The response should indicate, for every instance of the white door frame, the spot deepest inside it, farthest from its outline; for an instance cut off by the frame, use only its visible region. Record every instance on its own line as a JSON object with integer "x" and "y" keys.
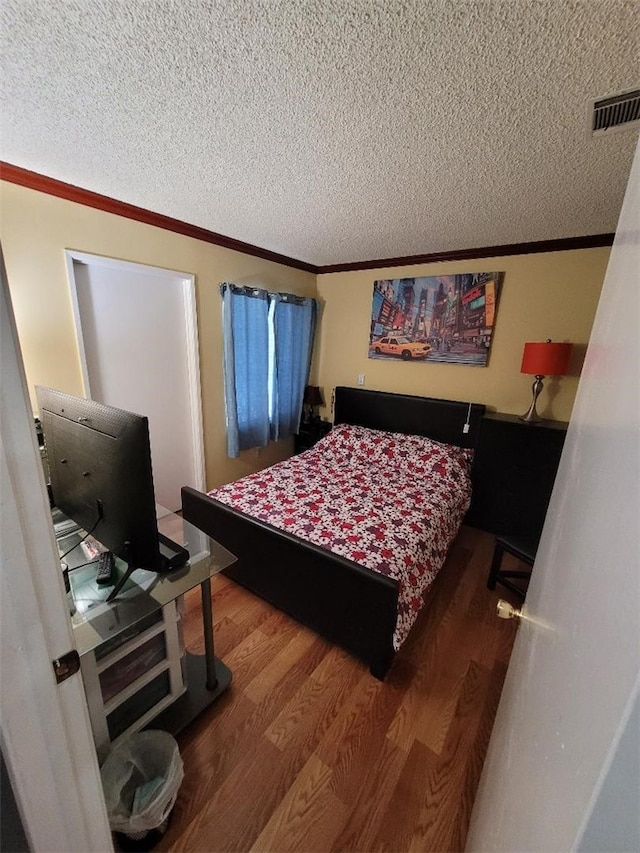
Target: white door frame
{"x": 190, "y": 319}
{"x": 45, "y": 731}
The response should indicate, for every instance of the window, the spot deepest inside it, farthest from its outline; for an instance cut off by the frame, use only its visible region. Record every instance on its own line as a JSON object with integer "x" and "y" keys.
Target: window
{"x": 268, "y": 340}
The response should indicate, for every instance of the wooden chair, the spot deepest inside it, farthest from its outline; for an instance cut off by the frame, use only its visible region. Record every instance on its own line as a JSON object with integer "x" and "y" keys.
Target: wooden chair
{"x": 523, "y": 550}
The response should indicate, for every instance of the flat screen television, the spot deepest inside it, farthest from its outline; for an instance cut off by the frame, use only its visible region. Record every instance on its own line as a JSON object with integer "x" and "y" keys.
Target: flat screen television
{"x": 101, "y": 477}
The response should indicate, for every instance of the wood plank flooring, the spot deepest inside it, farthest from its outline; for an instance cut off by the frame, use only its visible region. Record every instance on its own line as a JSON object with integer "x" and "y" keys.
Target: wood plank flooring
{"x": 307, "y": 752}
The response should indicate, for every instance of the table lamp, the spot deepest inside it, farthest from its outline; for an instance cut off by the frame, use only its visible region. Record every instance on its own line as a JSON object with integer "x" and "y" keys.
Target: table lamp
{"x": 542, "y": 360}
{"x": 312, "y": 398}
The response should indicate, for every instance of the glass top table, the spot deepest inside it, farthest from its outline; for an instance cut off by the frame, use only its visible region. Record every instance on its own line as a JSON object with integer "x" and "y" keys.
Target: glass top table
{"x": 95, "y": 620}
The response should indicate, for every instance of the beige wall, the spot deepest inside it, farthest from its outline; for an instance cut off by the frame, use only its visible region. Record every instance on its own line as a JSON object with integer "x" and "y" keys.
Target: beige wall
{"x": 543, "y": 296}
{"x": 551, "y": 295}
{"x": 36, "y": 228}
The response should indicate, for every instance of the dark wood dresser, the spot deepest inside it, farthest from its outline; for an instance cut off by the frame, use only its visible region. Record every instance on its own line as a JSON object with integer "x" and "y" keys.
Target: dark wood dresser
{"x": 514, "y": 469}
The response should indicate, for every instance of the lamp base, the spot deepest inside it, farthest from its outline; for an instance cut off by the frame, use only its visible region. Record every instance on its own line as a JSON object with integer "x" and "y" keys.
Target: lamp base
{"x": 531, "y": 416}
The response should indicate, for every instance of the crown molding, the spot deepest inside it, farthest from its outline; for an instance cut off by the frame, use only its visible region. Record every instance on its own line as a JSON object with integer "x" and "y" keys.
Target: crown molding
{"x": 564, "y": 244}
{"x": 51, "y": 186}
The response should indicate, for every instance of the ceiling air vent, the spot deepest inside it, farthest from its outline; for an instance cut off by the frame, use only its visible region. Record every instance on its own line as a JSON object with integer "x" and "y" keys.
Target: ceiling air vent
{"x": 619, "y": 112}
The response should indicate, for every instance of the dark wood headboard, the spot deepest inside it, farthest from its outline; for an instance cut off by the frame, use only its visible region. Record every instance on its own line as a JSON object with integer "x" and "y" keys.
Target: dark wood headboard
{"x": 441, "y": 420}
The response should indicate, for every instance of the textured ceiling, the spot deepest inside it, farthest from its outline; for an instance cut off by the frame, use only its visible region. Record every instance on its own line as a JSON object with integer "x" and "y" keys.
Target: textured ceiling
{"x": 330, "y": 131}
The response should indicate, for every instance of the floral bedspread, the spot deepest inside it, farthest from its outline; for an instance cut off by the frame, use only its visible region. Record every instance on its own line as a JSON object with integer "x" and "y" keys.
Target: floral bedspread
{"x": 387, "y": 501}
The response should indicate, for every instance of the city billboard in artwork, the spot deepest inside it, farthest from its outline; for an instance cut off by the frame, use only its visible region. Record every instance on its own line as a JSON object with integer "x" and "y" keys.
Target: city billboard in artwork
{"x": 444, "y": 318}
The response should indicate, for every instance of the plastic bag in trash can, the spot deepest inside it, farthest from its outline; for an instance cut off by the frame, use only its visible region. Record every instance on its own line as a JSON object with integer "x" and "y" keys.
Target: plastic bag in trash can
{"x": 141, "y": 779}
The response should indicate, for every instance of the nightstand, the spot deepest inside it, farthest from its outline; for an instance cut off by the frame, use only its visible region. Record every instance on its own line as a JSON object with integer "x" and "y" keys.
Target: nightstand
{"x": 310, "y": 433}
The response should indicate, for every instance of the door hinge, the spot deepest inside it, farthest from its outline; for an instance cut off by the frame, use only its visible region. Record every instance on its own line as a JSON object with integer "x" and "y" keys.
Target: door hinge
{"x": 66, "y": 666}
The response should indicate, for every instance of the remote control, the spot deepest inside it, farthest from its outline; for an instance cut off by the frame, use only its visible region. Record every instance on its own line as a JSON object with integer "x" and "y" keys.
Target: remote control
{"x": 106, "y": 568}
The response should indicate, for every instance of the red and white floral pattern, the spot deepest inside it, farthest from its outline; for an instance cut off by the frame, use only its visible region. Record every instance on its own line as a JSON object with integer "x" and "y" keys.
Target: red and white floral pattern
{"x": 387, "y": 501}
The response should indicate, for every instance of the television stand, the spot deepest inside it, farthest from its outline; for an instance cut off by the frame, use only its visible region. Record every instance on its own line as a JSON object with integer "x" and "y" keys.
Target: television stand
{"x": 135, "y": 669}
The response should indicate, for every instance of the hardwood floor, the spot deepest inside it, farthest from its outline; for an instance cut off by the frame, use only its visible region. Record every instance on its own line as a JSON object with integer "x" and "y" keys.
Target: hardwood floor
{"x": 306, "y": 751}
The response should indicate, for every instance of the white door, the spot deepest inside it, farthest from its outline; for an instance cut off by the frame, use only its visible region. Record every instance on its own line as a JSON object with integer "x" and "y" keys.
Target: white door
{"x": 557, "y": 755}
{"x": 138, "y": 342}
{"x": 45, "y": 733}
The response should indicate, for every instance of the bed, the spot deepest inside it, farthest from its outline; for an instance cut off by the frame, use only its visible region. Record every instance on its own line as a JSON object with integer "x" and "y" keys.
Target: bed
{"x": 303, "y": 556}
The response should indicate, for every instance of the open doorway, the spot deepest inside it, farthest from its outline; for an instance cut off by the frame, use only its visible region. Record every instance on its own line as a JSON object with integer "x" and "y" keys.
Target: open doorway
{"x": 138, "y": 342}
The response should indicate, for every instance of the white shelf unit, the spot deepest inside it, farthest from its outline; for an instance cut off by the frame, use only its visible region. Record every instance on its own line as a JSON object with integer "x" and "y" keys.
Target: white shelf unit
{"x": 130, "y": 679}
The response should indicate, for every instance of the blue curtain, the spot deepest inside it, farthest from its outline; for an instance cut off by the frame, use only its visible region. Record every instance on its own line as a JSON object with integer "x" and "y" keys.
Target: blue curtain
{"x": 268, "y": 342}
{"x": 294, "y": 320}
{"x": 246, "y": 367}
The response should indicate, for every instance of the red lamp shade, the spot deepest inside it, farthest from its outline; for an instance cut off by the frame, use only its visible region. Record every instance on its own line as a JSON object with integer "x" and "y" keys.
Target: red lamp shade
{"x": 546, "y": 359}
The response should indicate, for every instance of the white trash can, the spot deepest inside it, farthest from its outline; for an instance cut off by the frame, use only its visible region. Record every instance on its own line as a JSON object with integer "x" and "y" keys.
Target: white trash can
{"x": 141, "y": 778}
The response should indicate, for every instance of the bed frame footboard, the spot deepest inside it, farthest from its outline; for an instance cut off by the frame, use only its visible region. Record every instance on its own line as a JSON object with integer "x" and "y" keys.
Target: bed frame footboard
{"x": 345, "y": 603}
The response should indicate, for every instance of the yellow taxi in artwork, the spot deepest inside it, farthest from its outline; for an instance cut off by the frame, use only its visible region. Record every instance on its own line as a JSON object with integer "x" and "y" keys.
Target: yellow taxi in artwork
{"x": 399, "y": 345}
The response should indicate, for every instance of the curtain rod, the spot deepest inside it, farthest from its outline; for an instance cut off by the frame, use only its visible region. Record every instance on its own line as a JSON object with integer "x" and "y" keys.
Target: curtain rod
{"x": 262, "y": 293}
